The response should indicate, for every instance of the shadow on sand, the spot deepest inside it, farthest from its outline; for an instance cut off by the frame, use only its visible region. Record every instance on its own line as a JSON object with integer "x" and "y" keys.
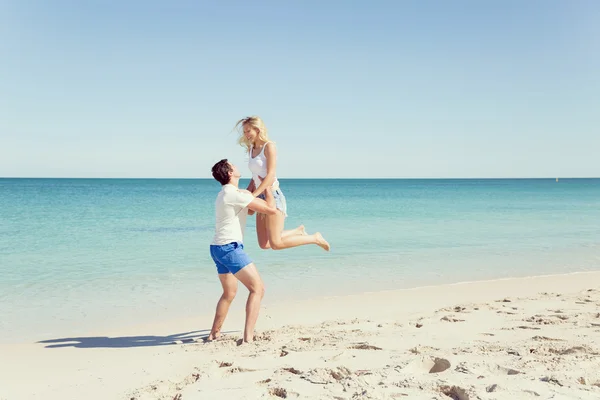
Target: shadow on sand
{"x": 126, "y": 341}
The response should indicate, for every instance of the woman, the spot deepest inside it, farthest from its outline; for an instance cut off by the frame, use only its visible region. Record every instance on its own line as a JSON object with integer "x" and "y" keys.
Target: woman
{"x": 263, "y": 163}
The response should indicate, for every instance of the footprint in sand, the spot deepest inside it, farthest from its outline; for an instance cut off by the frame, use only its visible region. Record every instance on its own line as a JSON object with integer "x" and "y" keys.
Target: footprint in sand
{"x": 492, "y": 388}
{"x": 450, "y": 318}
{"x": 552, "y": 380}
{"x": 323, "y": 376}
{"x": 292, "y": 370}
{"x": 364, "y": 346}
{"x": 428, "y": 365}
{"x": 340, "y": 322}
{"x": 545, "y": 338}
{"x": 454, "y": 392}
{"x": 535, "y": 328}
{"x": 263, "y": 337}
{"x": 463, "y": 368}
{"x": 506, "y": 312}
{"x": 236, "y": 370}
{"x": 191, "y": 379}
{"x": 454, "y": 309}
{"x": 574, "y": 350}
{"x": 422, "y": 349}
{"x": 281, "y": 393}
{"x": 499, "y": 370}
{"x": 548, "y": 319}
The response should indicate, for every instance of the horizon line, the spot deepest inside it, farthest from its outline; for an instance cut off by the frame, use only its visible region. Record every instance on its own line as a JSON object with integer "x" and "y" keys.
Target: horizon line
{"x": 309, "y": 178}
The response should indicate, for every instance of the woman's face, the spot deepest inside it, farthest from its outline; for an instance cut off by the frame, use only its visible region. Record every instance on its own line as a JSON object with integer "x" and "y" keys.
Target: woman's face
{"x": 250, "y": 132}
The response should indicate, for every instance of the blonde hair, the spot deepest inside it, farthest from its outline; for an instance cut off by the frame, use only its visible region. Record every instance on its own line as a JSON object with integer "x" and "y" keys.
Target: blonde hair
{"x": 255, "y": 122}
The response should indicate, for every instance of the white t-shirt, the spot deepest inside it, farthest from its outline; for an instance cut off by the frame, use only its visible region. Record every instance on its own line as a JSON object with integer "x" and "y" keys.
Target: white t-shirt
{"x": 231, "y": 215}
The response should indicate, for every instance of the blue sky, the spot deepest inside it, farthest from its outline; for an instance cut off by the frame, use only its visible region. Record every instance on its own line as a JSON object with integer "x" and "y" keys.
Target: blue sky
{"x": 407, "y": 89}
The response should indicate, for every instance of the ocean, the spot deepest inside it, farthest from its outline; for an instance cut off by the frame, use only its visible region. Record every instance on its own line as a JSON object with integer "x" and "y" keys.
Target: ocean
{"x": 77, "y": 255}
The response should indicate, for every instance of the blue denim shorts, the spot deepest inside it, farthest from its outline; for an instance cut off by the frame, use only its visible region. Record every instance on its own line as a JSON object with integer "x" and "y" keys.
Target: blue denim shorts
{"x": 230, "y": 257}
{"x": 280, "y": 202}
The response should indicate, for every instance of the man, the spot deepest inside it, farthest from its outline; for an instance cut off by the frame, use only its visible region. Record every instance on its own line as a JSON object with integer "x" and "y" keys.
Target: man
{"x": 227, "y": 248}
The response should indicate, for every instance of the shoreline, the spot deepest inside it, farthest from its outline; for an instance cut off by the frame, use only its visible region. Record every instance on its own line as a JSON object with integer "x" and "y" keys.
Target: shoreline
{"x": 207, "y": 311}
{"x": 118, "y": 362}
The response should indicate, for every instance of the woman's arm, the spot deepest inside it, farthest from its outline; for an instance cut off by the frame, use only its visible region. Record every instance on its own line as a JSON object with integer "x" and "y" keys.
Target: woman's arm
{"x": 271, "y": 156}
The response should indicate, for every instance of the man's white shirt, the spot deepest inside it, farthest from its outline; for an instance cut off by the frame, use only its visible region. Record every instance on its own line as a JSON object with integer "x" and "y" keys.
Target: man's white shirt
{"x": 231, "y": 214}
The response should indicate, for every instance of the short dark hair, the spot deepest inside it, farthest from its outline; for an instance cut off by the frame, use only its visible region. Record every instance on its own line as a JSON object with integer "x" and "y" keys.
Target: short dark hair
{"x": 221, "y": 170}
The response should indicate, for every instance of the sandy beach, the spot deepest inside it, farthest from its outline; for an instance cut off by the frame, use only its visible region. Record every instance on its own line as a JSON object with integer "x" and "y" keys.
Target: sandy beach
{"x": 520, "y": 338}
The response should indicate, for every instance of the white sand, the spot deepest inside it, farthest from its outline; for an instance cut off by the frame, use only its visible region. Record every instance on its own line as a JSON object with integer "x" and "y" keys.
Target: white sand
{"x": 507, "y": 339}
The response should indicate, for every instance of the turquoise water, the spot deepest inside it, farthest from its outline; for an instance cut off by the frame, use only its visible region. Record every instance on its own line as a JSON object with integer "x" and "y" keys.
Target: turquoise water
{"x": 78, "y": 254}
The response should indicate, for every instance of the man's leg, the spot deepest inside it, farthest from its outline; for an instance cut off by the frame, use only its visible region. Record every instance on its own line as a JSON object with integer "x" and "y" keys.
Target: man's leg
{"x": 251, "y": 279}
{"x": 229, "y": 283}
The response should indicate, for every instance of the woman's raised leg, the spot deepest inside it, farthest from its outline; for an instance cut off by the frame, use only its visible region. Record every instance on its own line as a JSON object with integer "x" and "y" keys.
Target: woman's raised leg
{"x": 277, "y": 241}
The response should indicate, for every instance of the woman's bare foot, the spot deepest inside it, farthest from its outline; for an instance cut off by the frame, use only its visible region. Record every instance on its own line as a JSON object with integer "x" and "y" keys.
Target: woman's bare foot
{"x": 322, "y": 242}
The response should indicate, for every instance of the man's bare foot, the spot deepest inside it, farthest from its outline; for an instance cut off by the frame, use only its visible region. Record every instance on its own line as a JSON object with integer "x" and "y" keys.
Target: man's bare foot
{"x": 322, "y": 242}
{"x": 241, "y": 342}
{"x": 212, "y": 337}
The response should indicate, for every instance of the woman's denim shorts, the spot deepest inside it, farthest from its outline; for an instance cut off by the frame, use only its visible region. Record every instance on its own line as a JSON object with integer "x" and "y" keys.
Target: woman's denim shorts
{"x": 280, "y": 202}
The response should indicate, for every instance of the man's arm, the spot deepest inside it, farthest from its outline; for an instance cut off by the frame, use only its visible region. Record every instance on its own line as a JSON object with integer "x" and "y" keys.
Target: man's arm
{"x": 250, "y": 212}
{"x": 250, "y": 188}
{"x": 264, "y": 207}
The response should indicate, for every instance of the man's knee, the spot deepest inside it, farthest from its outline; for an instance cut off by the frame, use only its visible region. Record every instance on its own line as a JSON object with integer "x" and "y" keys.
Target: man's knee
{"x": 258, "y": 288}
{"x": 229, "y": 295}
{"x": 251, "y": 279}
{"x": 264, "y": 245}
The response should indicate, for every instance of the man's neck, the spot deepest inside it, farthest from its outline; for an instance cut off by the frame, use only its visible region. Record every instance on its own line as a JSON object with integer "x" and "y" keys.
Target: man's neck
{"x": 235, "y": 182}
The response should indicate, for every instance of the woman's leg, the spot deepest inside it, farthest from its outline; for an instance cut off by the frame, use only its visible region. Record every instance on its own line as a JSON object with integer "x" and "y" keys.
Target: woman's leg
{"x": 262, "y": 231}
{"x": 296, "y": 231}
{"x": 277, "y": 241}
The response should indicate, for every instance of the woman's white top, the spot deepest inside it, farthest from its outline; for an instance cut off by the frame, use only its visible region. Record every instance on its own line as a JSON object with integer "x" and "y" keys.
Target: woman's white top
{"x": 258, "y": 167}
